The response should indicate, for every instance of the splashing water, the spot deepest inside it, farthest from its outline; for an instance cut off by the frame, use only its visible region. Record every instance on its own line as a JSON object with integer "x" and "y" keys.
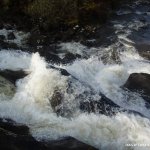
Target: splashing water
{"x": 31, "y": 103}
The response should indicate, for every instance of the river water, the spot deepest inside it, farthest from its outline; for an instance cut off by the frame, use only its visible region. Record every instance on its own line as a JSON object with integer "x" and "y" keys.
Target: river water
{"x": 98, "y": 70}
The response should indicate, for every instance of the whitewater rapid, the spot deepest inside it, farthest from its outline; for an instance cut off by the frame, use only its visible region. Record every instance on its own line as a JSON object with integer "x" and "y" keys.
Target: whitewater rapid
{"x": 31, "y": 106}
{"x": 31, "y": 103}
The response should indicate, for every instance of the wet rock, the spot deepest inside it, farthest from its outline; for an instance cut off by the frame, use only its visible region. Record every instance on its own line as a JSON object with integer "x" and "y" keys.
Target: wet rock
{"x": 103, "y": 106}
{"x": 8, "y": 124}
{"x": 6, "y": 87}
{"x": 53, "y": 58}
{"x": 56, "y": 99}
{"x": 1, "y": 25}
{"x": 11, "y": 36}
{"x": 12, "y": 76}
{"x": 106, "y": 107}
{"x": 139, "y": 82}
{"x": 8, "y": 27}
{"x": 145, "y": 54}
{"x": 69, "y": 144}
{"x": 69, "y": 57}
{"x": 12, "y": 46}
{"x": 8, "y": 45}
{"x": 36, "y": 39}
{"x": 62, "y": 71}
{"x": 2, "y": 37}
{"x": 144, "y": 50}
{"x": 15, "y": 136}
{"x": 3, "y": 44}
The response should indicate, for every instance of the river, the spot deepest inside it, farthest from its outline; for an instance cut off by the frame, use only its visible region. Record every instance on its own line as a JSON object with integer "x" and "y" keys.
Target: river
{"x": 103, "y": 68}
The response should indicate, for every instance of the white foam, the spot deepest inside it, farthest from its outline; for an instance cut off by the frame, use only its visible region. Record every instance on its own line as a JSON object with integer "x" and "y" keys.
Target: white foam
{"x": 20, "y": 37}
{"x": 31, "y": 103}
{"x": 31, "y": 106}
{"x": 14, "y": 60}
{"x": 73, "y": 47}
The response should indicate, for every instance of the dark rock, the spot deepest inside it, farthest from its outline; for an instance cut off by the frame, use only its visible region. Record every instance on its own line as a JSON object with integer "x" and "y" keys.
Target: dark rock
{"x": 8, "y": 27}
{"x": 2, "y": 43}
{"x": 12, "y": 46}
{"x": 36, "y": 39}
{"x": 62, "y": 71}
{"x": 144, "y": 50}
{"x": 103, "y": 106}
{"x": 12, "y": 76}
{"x": 1, "y": 25}
{"x": 52, "y": 58}
{"x": 15, "y": 136}
{"x": 7, "y": 45}
{"x": 69, "y": 57}
{"x": 106, "y": 107}
{"x": 56, "y": 99}
{"x": 145, "y": 54}
{"x": 11, "y": 36}
{"x": 12, "y": 141}
{"x": 139, "y": 82}
{"x": 69, "y": 144}
{"x": 11, "y": 126}
{"x": 2, "y": 37}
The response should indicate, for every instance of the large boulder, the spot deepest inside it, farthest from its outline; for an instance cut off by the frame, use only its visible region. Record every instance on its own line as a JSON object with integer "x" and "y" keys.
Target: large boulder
{"x": 15, "y": 136}
{"x": 84, "y": 99}
{"x": 139, "y": 82}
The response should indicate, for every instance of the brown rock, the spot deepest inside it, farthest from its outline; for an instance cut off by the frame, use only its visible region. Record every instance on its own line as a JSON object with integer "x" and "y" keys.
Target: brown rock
{"x": 139, "y": 82}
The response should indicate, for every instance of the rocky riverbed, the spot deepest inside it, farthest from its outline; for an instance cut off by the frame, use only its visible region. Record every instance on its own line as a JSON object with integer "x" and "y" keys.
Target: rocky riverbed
{"x": 85, "y": 87}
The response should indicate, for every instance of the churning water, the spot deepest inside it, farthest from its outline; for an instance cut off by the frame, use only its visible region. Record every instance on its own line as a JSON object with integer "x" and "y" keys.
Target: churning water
{"x": 31, "y": 103}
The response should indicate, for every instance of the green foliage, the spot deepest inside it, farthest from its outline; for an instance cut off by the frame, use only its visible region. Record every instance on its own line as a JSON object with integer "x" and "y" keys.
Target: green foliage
{"x": 54, "y": 12}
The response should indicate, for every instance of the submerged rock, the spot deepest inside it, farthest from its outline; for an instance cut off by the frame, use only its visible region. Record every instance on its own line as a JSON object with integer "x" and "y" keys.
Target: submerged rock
{"x": 139, "y": 82}
{"x": 15, "y": 136}
{"x": 80, "y": 96}
{"x": 56, "y": 99}
{"x": 11, "y": 36}
{"x": 2, "y": 38}
{"x": 103, "y": 106}
{"x": 6, "y": 87}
